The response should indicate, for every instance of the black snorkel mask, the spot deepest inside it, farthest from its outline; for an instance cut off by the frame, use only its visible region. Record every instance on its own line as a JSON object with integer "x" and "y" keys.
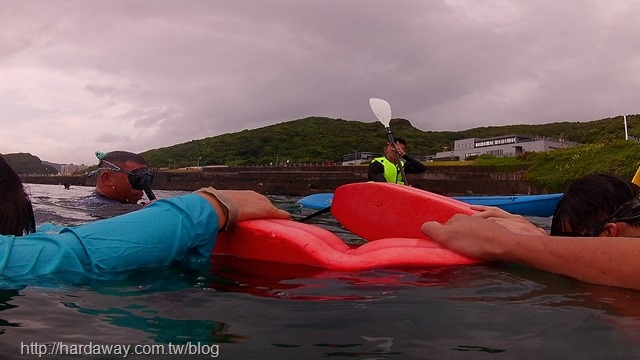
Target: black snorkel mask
{"x": 139, "y": 179}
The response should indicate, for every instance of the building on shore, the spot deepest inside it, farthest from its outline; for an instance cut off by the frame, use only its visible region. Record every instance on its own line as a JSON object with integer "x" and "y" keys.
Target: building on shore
{"x": 501, "y": 146}
{"x": 70, "y": 169}
{"x": 358, "y": 158}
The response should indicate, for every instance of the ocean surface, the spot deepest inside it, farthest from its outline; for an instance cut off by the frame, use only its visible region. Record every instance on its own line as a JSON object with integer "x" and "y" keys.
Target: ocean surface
{"x": 249, "y": 310}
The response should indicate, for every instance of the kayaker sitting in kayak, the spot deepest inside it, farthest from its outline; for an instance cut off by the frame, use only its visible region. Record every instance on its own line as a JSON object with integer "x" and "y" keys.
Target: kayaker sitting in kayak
{"x": 387, "y": 169}
{"x": 592, "y": 207}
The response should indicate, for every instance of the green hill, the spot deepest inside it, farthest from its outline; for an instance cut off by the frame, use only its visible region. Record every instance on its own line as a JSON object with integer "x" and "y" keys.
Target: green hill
{"x": 318, "y": 139}
{"x": 28, "y": 164}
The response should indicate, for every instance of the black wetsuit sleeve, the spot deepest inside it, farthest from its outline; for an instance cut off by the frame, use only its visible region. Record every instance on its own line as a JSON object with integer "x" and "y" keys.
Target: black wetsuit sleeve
{"x": 413, "y": 166}
{"x": 376, "y": 172}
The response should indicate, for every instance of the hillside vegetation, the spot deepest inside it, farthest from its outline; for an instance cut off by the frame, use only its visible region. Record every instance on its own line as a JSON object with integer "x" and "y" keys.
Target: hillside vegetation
{"x": 24, "y": 163}
{"x": 554, "y": 170}
{"x": 319, "y": 139}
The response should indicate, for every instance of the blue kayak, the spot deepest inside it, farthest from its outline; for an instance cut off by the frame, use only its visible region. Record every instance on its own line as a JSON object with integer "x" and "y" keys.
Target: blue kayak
{"x": 317, "y": 201}
{"x": 525, "y": 205}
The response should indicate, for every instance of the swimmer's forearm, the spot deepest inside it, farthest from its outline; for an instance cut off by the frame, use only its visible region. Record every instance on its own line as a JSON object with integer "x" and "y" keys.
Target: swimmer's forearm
{"x": 605, "y": 261}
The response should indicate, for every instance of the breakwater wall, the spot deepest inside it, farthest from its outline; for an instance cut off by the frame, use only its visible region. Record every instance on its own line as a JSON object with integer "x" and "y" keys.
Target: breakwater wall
{"x": 307, "y": 180}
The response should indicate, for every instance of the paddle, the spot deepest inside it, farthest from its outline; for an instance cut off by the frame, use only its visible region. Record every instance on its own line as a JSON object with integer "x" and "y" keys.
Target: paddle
{"x": 382, "y": 110}
{"x": 319, "y": 212}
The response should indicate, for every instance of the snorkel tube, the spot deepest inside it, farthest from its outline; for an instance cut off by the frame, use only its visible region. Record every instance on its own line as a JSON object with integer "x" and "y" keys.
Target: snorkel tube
{"x": 150, "y": 195}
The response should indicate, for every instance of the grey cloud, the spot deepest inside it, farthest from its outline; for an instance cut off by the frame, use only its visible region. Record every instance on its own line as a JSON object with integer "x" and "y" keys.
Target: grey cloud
{"x": 165, "y": 72}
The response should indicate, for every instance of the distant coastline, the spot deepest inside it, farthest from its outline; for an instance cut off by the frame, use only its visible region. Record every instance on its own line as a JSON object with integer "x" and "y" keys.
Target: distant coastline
{"x": 307, "y": 180}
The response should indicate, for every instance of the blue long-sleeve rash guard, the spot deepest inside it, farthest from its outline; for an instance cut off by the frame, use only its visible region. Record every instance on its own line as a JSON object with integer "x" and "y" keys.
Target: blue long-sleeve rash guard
{"x": 182, "y": 228}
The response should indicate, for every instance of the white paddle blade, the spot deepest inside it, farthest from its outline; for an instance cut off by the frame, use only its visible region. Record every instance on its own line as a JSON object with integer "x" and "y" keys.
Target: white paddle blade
{"x": 382, "y": 110}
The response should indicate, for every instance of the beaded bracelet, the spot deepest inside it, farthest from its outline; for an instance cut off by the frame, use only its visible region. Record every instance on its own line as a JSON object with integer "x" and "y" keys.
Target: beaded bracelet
{"x": 228, "y": 207}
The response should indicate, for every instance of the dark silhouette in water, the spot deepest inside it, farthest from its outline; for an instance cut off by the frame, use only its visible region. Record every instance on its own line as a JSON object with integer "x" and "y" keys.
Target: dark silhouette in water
{"x": 16, "y": 212}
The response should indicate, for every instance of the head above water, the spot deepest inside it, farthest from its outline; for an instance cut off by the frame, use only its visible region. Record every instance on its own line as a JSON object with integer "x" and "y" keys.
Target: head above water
{"x": 16, "y": 212}
{"x": 593, "y": 204}
{"x": 123, "y": 176}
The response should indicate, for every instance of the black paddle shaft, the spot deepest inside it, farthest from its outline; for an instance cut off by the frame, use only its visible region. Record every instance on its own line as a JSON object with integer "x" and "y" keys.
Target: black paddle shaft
{"x": 319, "y": 212}
{"x": 398, "y": 158}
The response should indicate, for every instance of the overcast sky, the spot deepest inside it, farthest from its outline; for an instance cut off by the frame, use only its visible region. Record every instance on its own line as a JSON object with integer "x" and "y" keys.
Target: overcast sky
{"x": 87, "y": 75}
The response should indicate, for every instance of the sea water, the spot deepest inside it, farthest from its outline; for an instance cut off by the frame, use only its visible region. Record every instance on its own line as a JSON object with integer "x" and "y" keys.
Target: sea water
{"x": 249, "y": 310}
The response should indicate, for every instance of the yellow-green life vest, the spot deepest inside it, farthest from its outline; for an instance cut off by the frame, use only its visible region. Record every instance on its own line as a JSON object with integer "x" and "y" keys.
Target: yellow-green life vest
{"x": 391, "y": 172}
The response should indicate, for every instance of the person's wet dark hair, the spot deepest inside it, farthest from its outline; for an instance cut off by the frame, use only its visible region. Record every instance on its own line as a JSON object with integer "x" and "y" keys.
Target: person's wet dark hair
{"x": 589, "y": 202}
{"x": 121, "y": 157}
{"x": 16, "y": 211}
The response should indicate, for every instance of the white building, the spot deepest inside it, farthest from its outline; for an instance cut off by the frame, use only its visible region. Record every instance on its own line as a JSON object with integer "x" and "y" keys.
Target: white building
{"x": 358, "y": 158}
{"x": 70, "y": 169}
{"x": 501, "y": 146}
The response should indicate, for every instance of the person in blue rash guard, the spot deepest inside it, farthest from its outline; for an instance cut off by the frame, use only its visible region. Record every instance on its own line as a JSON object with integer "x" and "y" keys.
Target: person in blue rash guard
{"x": 179, "y": 229}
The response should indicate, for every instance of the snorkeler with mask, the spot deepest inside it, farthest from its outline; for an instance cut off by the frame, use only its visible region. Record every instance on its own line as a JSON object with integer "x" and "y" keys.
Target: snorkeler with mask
{"x": 123, "y": 177}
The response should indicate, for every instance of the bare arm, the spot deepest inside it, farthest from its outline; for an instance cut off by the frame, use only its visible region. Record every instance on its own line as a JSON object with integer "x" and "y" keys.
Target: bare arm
{"x": 605, "y": 261}
{"x": 515, "y": 223}
{"x": 250, "y": 205}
